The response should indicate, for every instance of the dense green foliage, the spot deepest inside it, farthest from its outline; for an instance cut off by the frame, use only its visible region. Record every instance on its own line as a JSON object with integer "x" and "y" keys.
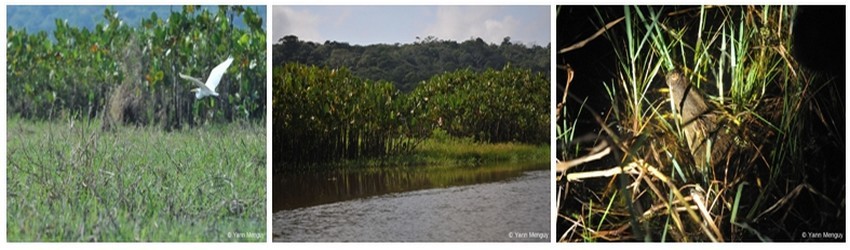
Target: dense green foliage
{"x": 69, "y": 181}
{"x": 328, "y": 114}
{"x": 323, "y": 115}
{"x": 492, "y": 106}
{"x": 79, "y": 73}
{"x": 408, "y": 64}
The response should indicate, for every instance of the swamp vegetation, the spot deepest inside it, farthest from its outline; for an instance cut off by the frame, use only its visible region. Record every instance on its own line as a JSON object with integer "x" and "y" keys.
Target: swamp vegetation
{"x": 129, "y": 75}
{"x": 700, "y": 123}
{"x": 327, "y": 116}
{"x": 106, "y": 143}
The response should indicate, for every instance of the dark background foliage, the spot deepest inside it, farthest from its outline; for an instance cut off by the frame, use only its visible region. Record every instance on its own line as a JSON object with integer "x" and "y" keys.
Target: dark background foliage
{"x": 407, "y": 64}
{"x": 77, "y": 72}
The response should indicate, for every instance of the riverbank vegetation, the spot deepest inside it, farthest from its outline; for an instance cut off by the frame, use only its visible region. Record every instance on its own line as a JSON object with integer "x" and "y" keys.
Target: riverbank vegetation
{"x": 327, "y": 116}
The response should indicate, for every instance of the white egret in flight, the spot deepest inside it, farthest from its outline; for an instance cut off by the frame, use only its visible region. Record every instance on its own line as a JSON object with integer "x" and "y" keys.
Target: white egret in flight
{"x": 208, "y": 89}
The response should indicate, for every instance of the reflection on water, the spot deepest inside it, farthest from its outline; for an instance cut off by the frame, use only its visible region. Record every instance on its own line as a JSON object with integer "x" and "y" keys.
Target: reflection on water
{"x": 296, "y": 190}
{"x": 508, "y": 209}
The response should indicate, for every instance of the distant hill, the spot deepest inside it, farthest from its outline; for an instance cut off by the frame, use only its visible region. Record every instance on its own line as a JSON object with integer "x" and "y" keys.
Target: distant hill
{"x": 43, "y": 18}
{"x": 406, "y": 65}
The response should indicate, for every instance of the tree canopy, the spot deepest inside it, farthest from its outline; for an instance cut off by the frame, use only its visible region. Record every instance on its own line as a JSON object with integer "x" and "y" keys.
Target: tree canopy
{"x": 406, "y": 65}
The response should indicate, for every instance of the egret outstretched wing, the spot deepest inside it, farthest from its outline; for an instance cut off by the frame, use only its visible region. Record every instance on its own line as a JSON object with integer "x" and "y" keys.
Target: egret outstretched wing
{"x": 197, "y": 81}
{"x": 217, "y": 73}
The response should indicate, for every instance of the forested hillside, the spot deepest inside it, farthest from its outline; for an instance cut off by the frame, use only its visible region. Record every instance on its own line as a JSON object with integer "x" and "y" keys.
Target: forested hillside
{"x": 406, "y": 65}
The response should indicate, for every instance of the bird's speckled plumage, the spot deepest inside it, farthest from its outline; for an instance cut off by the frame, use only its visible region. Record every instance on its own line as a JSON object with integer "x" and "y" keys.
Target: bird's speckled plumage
{"x": 701, "y": 126}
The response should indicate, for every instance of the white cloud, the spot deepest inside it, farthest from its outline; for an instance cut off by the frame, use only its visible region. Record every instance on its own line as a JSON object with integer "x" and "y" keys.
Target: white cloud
{"x": 288, "y": 21}
{"x": 461, "y": 23}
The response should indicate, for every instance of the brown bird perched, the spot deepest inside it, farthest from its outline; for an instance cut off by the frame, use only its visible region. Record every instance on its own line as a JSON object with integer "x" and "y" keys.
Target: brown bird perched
{"x": 702, "y": 125}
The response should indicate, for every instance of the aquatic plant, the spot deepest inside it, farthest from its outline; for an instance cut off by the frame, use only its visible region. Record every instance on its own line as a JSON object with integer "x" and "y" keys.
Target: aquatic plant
{"x": 760, "y": 106}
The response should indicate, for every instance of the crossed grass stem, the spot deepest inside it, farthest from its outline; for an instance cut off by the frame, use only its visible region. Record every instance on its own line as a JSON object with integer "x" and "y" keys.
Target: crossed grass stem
{"x": 630, "y": 178}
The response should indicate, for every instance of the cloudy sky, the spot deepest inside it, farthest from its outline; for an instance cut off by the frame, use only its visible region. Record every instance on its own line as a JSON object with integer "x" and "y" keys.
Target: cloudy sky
{"x": 402, "y": 24}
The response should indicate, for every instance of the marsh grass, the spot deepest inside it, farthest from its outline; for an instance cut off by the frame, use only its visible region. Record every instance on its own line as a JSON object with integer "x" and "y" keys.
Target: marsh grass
{"x": 740, "y": 56}
{"x": 442, "y": 148}
{"x": 445, "y": 151}
{"x": 70, "y": 181}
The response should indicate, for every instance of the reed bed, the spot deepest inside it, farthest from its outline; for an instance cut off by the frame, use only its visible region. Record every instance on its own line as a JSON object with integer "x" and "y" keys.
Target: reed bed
{"x": 636, "y": 179}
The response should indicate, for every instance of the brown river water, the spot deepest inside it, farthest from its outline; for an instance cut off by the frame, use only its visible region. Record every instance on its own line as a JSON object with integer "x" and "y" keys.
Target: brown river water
{"x": 483, "y": 204}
